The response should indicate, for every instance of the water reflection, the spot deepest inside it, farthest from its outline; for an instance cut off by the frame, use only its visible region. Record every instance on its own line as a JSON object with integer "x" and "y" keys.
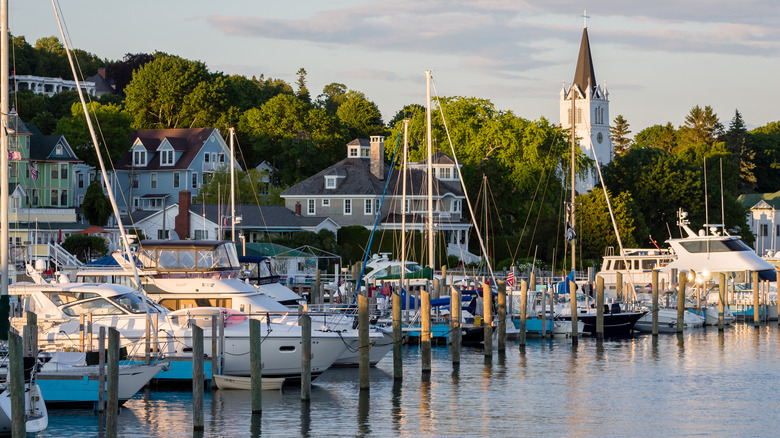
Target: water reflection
{"x": 396, "y": 403}
{"x": 364, "y": 426}
{"x": 426, "y": 419}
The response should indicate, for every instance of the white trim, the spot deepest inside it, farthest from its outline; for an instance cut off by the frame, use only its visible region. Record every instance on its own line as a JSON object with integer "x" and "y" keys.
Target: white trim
{"x": 347, "y": 202}
{"x": 326, "y": 202}
{"x": 311, "y": 207}
{"x": 153, "y": 180}
{"x": 368, "y": 206}
{"x": 174, "y": 183}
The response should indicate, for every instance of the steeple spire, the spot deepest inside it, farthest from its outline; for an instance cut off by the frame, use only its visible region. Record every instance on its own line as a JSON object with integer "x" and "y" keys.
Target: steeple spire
{"x": 584, "y": 76}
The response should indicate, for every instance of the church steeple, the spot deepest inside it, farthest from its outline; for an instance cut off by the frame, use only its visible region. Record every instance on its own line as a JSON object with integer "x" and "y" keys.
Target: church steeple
{"x": 584, "y": 77}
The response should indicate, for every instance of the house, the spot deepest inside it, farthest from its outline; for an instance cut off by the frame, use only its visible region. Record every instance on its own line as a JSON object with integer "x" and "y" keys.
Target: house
{"x": 48, "y": 86}
{"x": 163, "y": 162}
{"x": 350, "y": 193}
{"x": 764, "y": 220}
{"x": 102, "y": 85}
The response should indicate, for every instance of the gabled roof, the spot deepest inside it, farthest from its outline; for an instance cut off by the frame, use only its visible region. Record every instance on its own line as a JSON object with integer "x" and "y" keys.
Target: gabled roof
{"x": 757, "y": 201}
{"x": 15, "y": 124}
{"x": 102, "y": 85}
{"x": 271, "y": 217}
{"x": 187, "y": 141}
{"x": 438, "y": 158}
{"x": 584, "y": 75}
{"x": 44, "y": 147}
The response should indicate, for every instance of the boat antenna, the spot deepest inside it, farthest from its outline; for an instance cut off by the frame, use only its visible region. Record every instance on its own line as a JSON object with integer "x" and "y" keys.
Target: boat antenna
{"x": 706, "y": 201}
{"x": 722, "y": 204}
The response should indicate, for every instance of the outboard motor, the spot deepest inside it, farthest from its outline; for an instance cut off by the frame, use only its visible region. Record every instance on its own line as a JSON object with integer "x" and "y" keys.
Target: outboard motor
{"x": 615, "y": 308}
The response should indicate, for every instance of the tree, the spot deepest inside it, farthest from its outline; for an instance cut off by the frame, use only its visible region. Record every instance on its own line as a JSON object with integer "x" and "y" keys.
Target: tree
{"x": 303, "y": 92}
{"x": 701, "y": 126}
{"x": 595, "y": 224}
{"x": 333, "y": 95}
{"x": 112, "y": 125}
{"x": 738, "y": 143}
{"x": 122, "y": 71}
{"x": 250, "y": 188}
{"x": 96, "y": 205}
{"x": 766, "y": 143}
{"x": 360, "y": 117}
{"x": 663, "y": 137}
{"x": 619, "y": 133}
{"x": 405, "y": 113}
{"x": 86, "y": 248}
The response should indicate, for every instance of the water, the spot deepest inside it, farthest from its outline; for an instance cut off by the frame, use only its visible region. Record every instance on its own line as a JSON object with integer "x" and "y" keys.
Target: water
{"x": 703, "y": 383}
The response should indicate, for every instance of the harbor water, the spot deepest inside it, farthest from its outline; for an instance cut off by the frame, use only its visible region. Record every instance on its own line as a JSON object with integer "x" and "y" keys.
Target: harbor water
{"x": 699, "y": 383}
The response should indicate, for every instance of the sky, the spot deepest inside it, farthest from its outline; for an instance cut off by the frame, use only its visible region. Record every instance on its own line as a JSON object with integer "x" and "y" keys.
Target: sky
{"x": 658, "y": 59}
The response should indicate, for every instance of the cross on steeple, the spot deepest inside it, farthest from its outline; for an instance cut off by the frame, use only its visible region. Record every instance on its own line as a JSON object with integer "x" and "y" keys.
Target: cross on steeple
{"x": 585, "y": 16}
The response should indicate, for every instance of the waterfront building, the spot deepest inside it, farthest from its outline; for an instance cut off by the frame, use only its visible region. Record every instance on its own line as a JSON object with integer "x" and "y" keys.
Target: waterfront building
{"x": 764, "y": 221}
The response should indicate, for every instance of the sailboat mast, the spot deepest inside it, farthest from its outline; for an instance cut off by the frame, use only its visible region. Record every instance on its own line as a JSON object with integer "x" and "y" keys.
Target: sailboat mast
{"x": 232, "y": 188}
{"x": 403, "y": 205}
{"x": 4, "y": 150}
{"x": 573, "y": 148}
{"x": 429, "y": 168}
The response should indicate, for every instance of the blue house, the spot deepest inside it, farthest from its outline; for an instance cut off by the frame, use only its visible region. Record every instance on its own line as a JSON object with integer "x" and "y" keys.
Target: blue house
{"x": 163, "y": 162}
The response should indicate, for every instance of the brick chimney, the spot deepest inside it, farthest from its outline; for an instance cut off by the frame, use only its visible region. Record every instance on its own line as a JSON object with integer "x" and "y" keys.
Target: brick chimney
{"x": 102, "y": 72}
{"x": 378, "y": 156}
{"x": 182, "y": 222}
{"x": 298, "y": 208}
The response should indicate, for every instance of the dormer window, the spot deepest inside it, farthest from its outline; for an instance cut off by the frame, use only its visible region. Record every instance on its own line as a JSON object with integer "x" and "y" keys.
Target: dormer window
{"x": 139, "y": 157}
{"x": 445, "y": 173}
{"x": 365, "y": 152}
{"x": 166, "y": 158}
{"x": 354, "y": 151}
{"x": 58, "y": 149}
{"x": 330, "y": 182}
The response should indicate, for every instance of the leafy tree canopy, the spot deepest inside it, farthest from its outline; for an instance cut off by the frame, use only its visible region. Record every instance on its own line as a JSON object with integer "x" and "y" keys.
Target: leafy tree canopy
{"x": 96, "y": 205}
{"x": 112, "y": 127}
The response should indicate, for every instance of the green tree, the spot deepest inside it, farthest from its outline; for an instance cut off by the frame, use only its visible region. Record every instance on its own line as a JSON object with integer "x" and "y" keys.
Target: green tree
{"x": 701, "y": 127}
{"x": 739, "y": 144}
{"x": 595, "y": 224}
{"x": 663, "y": 137}
{"x": 333, "y": 95}
{"x": 250, "y": 188}
{"x": 766, "y": 143}
{"x": 112, "y": 126}
{"x": 122, "y": 71}
{"x": 303, "y": 92}
{"x": 96, "y": 205}
{"x": 85, "y": 248}
{"x": 405, "y": 113}
{"x": 619, "y": 132}
{"x": 360, "y": 117}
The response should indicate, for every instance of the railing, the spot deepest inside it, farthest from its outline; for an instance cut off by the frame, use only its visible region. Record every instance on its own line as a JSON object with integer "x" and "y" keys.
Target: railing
{"x": 63, "y": 257}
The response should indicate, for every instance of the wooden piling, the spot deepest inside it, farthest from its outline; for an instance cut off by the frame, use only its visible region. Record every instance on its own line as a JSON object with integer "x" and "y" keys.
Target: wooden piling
{"x": 599, "y": 308}
{"x": 444, "y": 289}
{"x": 436, "y": 286}
{"x": 756, "y": 312}
{"x": 619, "y": 286}
{"x": 147, "y": 340}
{"x": 523, "y": 311}
{"x": 16, "y": 374}
{"x": 82, "y": 318}
{"x": 487, "y": 310}
{"x": 681, "y": 278}
{"x": 221, "y": 346}
{"x": 112, "y": 381}
{"x": 721, "y": 299}
{"x": 425, "y": 331}
{"x": 544, "y": 311}
{"x": 398, "y": 367}
{"x": 363, "y": 357}
{"x": 654, "y": 309}
{"x": 101, "y": 407}
{"x": 197, "y": 377}
{"x": 306, "y": 357}
{"x": 32, "y": 322}
{"x": 256, "y": 364}
{"x": 502, "y": 315}
{"x": 573, "y": 297}
{"x": 318, "y": 284}
{"x": 214, "y": 347}
{"x": 531, "y": 282}
{"x": 89, "y": 331}
{"x": 455, "y": 319}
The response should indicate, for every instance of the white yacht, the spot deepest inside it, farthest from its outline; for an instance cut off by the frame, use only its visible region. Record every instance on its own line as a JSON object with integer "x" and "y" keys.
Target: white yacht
{"x": 635, "y": 265}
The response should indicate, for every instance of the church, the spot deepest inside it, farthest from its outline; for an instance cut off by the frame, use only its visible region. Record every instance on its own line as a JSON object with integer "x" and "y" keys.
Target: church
{"x": 586, "y": 104}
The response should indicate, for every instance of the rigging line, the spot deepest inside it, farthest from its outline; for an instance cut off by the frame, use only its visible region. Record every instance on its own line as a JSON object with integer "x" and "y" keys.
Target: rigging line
{"x": 376, "y": 221}
{"x": 539, "y": 213}
{"x": 500, "y": 222}
{"x": 462, "y": 183}
{"x": 252, "y": 185}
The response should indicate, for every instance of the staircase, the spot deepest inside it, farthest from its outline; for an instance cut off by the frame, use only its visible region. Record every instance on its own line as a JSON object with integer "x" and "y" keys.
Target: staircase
{"x": 62, "y": 257}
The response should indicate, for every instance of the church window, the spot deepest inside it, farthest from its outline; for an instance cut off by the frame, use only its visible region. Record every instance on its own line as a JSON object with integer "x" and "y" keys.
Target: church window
{"x": 579, "y": 115}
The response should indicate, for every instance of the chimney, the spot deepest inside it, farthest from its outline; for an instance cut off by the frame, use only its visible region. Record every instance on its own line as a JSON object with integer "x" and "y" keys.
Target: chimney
{"x": 182, "y": 222}
{"x": 378, "y": 156}
{"x": 102, "y": 72}
{"x": 298, "y": 208}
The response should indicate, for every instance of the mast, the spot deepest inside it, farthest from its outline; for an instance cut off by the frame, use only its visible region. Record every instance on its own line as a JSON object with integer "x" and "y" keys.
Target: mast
{"x": 573, "y": 147}
{"x": 403, "y": 206}
{"x": 429, "y": 168}
{"x": 4, "y": 153}
{"x": 232, "y": 188}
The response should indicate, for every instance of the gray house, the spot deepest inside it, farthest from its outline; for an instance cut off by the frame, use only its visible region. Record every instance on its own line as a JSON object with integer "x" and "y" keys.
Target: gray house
{"x": 350, "y": 193}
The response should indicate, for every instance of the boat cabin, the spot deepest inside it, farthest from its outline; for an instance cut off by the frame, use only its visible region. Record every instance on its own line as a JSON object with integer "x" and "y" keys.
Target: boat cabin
{"x": 189, "y": 258}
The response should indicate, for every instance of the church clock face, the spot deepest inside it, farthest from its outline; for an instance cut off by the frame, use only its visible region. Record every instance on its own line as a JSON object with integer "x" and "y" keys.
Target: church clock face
{"x": 599, "y": 137}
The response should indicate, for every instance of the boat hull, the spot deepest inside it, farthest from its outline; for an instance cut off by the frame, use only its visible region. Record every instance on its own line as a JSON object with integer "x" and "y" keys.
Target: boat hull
{"x": 616, "y": 325}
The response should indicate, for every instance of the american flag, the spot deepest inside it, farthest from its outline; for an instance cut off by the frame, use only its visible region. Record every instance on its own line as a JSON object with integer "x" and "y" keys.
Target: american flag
{"x": 33, "y": 171}
{"x": 510, "y": 278}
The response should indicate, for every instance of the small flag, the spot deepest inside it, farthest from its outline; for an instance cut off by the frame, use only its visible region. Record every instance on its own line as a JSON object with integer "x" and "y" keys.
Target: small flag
{"x": 33, "y": 171}
{"x": 14, "y": 155}
{"x": 570, "y": 234}
{"x": 510, "y": 278}
{"x": 341, "y": 280}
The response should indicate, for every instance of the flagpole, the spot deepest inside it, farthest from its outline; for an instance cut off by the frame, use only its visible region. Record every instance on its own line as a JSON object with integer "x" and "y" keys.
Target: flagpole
{"x": 5, "y": 324}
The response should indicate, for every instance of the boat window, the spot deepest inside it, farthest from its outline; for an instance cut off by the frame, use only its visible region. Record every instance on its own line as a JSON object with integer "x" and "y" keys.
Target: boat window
{"x": 608, "y": 266}
{"x": 714, "y": 246}
{"x": 131, "y": 302}
{"x": 413, "y": 267}
{"x": 648, "y": 264}
{"x": 206, "y": 259}
{"x": 167, "y": 259}
{"x": 187, "y": 259}
{"x": 98, "y": 306}
{"x": 62, "y": 297}
{"x": 383, "y": 273}
{"x": 619, "y": 264}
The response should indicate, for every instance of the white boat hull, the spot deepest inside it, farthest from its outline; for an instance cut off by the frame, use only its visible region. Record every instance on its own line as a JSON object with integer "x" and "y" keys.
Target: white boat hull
{"x": 240, "y": 382}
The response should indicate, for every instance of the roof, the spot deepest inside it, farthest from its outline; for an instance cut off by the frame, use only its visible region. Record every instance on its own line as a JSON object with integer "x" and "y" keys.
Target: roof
{"x": 15, "y": 123}
{"x": 438, "y": 158}
{"x": 93, "y": 230}
{"x": 102, "y": 85}
{"x": 584, "y": 75}
{"x": 358, "y": 180}
{"x": 187, "y": 141}
{"x": 753, "y": 200}
{"x": 262, "y": 216}
{"x": 43, "y": 147}
{"x": 273, "y": 250}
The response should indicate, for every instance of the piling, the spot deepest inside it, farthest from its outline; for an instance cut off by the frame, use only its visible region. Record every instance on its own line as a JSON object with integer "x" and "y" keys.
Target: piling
{"x": 306, "y": 357}
{"x": 680, "y": 301}
{"x": 502, "y": 315}
{"x": 32, "y": 322}
{"x": 112, "y": 380}
{"x": 398, "y": 367}
{"x": 214, "y": 347}
{"x": 573, "y": 297}
{"x": 523, "y": 310}
{"x": 455, "y": 318}
{"x": 425, "y": 331}
{"x": 619, "y": 286}
{"x": 16, "y": 374}
{"x": 436, "y": 286}
{"x": 197, "y": 377}
{"x": 721, "y": 299}
{"x": 147, "y": 340}
{"x": 487, "y": 310}
{"x": 101, "y": 407}
{"x": 221, "y": 346}
{"x": 89, "y": 331}
{"x": 443, "y": 291}
{"x": 364, "y": 364}
{"x": 531, "y": 282}
{"x": 756, "y": 313}
{"x": 82, "y": 317}
{"x": 256, "y": 365}
{"x": 318, "y": 284}
{"x": 599, "y": 308}
{"x": 544, "y": 311}
{"x": 654, "y": 309}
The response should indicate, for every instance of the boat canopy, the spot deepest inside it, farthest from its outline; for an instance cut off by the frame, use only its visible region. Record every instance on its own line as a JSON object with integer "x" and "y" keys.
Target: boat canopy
{"x": 184, "y": 255}
{"x": 423, "y": 273}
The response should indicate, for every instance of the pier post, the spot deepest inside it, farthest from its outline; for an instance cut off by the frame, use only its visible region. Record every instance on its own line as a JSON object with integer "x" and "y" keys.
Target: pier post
{"x": 89, "y": 331}
{"x": 654, "y": 308}
{"x": 221, "y": 347}
{"x": 573, "y": 301}
{"x": 425, "y": 331}
{"x": 306, "y": 356}
{"x": 487, "y": 310}
{"x": 197, "y": 377}
{"x": 443, "y": 290}
{"x": 214, "y": 347}
{"x": 544, "y": 311}
{"x": 364, "y": 365}
{"x": 82, "y": 318}
{"x": 398, "y": 366}
{"x": 721, "y": 299}
{"x": 681, "y": 278}
{"x": 436, "y": 286}
{"x": 112, "y": 380}
{"x": 531, "y": 282}
{"x": 147, "y": 340}
{"x": 502, "y": 315}
{"x": 619, "y": 286}
{"x": 32, "y": 323}
{"x": 523, "y": 311}
{"x": 320, "y": 298}
{"x": 256, "y": 365}
{"x": 599, "y": 308}
{"x": 756, "y": 312}
{"x": 101, "y": 407}
{"x": 16, "y": 374}
{"x": 455, "y": 318}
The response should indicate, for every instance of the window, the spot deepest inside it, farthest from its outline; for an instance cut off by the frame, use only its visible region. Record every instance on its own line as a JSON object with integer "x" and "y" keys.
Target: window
{"x": 347, "y": 206}
{"x": 166, "y": 158}
{"x": 206, "y": 157}
{"x": 64, "y": 198}
{"x": 777, "y": 230}
{"x": 764, "y": 229}
{"x": 455, "y": 206}
{"x": 34, "y": 196}
{"x": 139, "y": 158}
{"x": 365, "y": 152}
{"x": 221, "y": 158}
{"x": 153, "y": 180}
{"x": 330, "y": 182}
{"x": 55, "y": 172}
{"x": 579, "y": 115}
{"x": 407, "y": 205}
{"x": 445, "y": 172}
{"x": 376, "y": 205}
{"x": 55, "y": 197}
{"x": 135, "y": 181}
{"x": 163, "y": 234}
{"x": 201, "y": 234}
{"x": 12, "y": 172}
{"x": 81, "y": 199}
{"x": 367, "y": 206}
{"x": 353, "y": 152}
{"x": 175, "y": 180}
{"x": 326, "y": 202}
{"x": 136, "y": 202}
{"x": 80, "y": 178}
{"x": 194, "y": 180}
{"x": 58, "y": 149}
{"x": 311, "y": 210}
{"x": 63, "y": 171}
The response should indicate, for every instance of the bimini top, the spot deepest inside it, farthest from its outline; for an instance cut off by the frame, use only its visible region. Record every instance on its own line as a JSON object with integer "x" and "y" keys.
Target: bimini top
{"x": 182, "y": 244}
